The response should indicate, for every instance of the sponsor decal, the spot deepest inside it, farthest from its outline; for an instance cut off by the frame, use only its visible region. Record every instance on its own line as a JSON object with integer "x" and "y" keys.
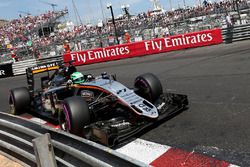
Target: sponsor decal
{"x": 2, "y": 72}
{"x": 96, "y": 55}
{"x": 177, "y": 41}
{"x": 142, "y": 48}
{"x": 6, "y": 70}
{"x": 45, "y": 67}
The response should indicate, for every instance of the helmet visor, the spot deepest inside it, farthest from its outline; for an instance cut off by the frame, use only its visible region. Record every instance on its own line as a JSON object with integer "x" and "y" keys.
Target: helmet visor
{"x": 78, "y": 80}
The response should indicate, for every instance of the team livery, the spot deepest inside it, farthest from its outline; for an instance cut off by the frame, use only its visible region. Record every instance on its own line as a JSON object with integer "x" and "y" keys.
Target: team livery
{"x": 98, "y": 108}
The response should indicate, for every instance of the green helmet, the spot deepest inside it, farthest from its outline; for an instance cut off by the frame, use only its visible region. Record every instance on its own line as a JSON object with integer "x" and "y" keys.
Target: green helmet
{"x": 77, "y": 78}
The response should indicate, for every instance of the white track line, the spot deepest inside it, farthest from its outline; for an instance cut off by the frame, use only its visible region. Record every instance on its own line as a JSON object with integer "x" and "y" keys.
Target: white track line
{"x": 143, "y": 150}
{"x": 38, "y": 120}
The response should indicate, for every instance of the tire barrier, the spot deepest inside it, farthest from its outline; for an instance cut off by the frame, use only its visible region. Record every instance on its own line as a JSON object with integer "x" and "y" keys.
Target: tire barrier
{"x": 16, "y": 135}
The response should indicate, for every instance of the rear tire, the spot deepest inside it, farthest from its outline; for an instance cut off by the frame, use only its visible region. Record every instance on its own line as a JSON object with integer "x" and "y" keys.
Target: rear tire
{"x": 19, "y": 100}
{"x": 75, "y": 115}
{"x": 148, "y": 86}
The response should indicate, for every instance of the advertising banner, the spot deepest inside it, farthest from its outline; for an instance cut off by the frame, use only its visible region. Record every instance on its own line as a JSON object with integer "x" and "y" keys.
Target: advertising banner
{"x": 6, "y": 70}
{"x": 142, "y": 48}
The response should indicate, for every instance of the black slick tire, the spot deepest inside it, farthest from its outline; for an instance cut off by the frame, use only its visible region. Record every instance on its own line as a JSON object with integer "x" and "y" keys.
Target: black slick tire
{"x": 148, "y": 86}
{"x": 75, "y": 115}
{"x": 19, "y": 100}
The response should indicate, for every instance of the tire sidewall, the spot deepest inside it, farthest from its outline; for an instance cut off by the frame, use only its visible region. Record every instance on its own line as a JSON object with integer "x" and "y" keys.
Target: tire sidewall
{"x": 20, "y": 100}
{"x": 76, "y": 113}
{"x": 149, "y": 86}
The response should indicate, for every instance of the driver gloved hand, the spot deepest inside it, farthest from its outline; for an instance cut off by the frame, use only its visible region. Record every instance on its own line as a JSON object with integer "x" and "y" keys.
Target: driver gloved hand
{"x": 69, "y": 82}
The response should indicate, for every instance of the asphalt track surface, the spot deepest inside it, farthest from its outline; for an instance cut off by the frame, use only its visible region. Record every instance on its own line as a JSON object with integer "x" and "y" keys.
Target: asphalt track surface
{"x": 217, "y": 82}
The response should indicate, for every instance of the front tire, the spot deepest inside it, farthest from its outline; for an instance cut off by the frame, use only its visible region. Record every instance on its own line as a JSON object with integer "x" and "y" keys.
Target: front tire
{"x": 19, "y": 100}
{"x": 75, "y": 115}
{"x": 148, "y": 86}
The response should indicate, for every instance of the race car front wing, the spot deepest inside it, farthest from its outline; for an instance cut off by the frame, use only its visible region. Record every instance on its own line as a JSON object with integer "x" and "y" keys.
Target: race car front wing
{"x": 117, "y": 130}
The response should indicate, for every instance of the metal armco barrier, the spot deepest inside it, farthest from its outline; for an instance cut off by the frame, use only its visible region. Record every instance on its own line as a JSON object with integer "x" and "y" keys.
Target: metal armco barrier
{"x": 20, "y": 66}
{"x": 45, "y": 156}
{"x": 229, "y": 35}
{"x": 236, "y": 33}
{"x": 16, "y": 135}
{"x": 49, "y": 59}
{"x": 6, "y": 70}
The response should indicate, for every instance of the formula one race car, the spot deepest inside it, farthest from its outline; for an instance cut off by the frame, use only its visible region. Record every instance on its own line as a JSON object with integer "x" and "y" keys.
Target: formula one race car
{"x": 100, "y": 108}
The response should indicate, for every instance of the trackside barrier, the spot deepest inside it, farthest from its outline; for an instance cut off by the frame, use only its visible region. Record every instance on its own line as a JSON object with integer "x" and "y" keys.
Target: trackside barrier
{"x": 6, "y": 70}
{"x": 16, "y": 135}
{"x": 142, "y": 48}
{"x": 236, "y": 33}
{"x": 45, "y": 156}
{"x": 159, "y": 45}
{"x": 49, "y": 59}
{"x": 20, "y": 66}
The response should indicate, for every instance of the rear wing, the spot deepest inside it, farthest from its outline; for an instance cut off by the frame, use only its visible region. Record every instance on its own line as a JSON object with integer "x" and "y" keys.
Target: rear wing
{"x": 44, "y": 67}
{"x": 31, "y": 71}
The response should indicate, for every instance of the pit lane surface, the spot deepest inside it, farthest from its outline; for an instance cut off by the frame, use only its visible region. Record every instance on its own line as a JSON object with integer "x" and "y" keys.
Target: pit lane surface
{"x": 215, "y": 78}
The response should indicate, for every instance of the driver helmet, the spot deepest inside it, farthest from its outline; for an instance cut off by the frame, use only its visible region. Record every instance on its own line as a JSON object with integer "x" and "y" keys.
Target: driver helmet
{"x": 77, "y": 78}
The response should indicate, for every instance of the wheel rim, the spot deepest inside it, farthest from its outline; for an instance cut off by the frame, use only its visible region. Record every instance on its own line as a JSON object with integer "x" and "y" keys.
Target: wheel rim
{"x": 145, "y": 90}
{"x": 63, "y": 122}
{"x": 12, "y": 109}
{"x": 64, "y": 119}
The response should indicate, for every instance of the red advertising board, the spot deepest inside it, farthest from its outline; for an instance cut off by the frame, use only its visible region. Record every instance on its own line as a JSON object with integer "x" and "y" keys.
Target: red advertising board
{"x": 142, "y": 48}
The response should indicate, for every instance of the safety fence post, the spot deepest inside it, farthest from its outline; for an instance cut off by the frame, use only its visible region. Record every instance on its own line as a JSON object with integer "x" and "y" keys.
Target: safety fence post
{"x": 44, "y": 151}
